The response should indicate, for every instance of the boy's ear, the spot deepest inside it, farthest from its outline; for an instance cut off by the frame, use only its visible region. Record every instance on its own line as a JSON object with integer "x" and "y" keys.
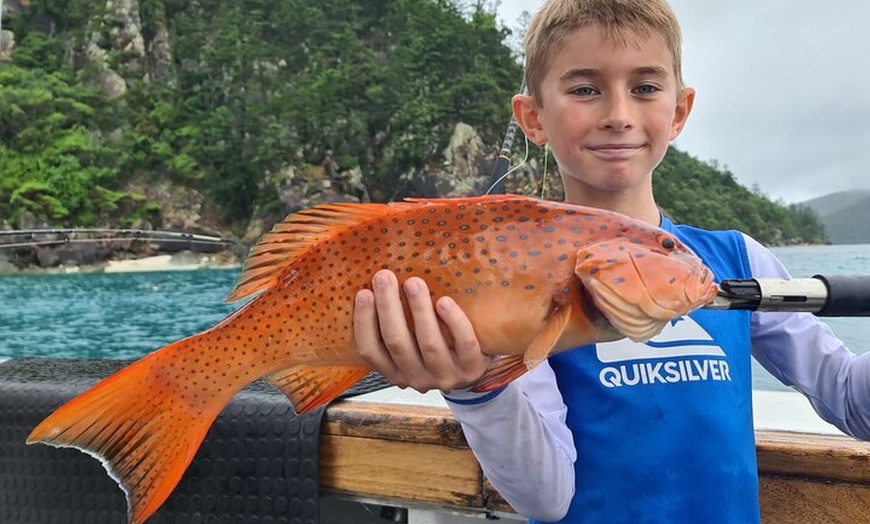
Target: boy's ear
{"x": 685, "y": 101}
{"x": 526, "y": 112}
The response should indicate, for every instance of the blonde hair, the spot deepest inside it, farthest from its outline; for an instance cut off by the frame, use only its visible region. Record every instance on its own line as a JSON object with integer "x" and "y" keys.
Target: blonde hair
{"x": 616, "y": 18}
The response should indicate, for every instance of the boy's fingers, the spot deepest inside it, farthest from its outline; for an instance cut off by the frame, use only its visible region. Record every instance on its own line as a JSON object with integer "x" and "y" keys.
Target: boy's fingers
{"x": 367, "y": 336}
{"x": 469, "y": 360}
{"x": 397, "y": 337}
{"x": 434, "y": 350}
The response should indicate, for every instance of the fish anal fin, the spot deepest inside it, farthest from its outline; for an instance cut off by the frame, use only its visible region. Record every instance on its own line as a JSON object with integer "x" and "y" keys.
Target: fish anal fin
{"x": 309, "y": 387}
{"x": 508, "y": 368}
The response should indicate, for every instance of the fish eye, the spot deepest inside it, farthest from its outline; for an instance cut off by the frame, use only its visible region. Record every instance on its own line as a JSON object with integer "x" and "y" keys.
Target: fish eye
{"x": 668, "y": 243}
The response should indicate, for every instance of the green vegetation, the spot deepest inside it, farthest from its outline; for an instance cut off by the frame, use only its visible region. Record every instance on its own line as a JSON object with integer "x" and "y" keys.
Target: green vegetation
{"x": 246, "y": 89}
{"x": 703, "y": 195}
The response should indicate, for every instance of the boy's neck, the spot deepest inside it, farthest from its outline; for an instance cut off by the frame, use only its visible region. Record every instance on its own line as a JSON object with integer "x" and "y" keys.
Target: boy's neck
{"x": 639, "y": 205}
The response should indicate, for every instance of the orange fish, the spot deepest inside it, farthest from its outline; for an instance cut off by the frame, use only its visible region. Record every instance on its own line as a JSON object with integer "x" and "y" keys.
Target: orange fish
{"x": 535, "y": 278}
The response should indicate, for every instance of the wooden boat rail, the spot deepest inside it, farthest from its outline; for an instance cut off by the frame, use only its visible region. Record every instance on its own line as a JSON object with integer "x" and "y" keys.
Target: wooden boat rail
{"x": 418, "y": 455}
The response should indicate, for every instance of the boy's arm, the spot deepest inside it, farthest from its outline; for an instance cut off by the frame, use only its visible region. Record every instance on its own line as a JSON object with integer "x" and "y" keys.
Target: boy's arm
{"x": 803, "y": 352}
{"x": 522, "y": 443}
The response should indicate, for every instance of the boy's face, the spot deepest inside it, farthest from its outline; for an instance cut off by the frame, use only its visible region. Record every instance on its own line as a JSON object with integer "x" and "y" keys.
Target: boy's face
{"x": 608, "y": 111}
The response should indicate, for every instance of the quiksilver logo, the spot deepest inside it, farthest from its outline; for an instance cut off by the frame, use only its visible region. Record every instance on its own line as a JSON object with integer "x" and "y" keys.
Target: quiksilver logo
{"x": 682, "y": 352}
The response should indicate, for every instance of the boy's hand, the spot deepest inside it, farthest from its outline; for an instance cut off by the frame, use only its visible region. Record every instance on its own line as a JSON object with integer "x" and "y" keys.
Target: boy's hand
{"x": 420, "y": 356}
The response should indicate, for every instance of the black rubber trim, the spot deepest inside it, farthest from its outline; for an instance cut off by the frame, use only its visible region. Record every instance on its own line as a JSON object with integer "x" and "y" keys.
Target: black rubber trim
{"x": 258, "y": 463}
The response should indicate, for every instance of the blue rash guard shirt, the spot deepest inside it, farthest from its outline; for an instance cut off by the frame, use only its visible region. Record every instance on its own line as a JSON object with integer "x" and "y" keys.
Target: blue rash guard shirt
{"x": 663, "y": 430}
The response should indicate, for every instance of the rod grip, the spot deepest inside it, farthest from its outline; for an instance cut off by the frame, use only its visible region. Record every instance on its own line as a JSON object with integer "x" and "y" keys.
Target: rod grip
{"x": 848, "y": 296}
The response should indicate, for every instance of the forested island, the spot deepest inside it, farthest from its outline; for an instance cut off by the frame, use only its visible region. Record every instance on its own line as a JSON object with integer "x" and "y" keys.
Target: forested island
{"x": 220, "y": 117}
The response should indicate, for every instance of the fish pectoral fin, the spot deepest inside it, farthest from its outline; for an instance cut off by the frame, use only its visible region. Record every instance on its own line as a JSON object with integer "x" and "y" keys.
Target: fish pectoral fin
{"x": 508, "y": 368}
{"x": 503, "y": 370}
{"x": 542, "y": 345}
{"x": 309, "y": 387}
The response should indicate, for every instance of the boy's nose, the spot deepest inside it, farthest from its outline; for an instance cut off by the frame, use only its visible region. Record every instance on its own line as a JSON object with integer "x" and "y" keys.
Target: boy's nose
{"x": 616, "y": 115}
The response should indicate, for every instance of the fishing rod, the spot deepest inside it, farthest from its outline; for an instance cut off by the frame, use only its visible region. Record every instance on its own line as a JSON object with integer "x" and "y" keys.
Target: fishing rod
{"x": 503, "y": 162}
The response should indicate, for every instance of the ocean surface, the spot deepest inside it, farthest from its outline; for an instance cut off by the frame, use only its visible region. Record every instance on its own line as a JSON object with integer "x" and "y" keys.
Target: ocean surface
{"x": 126, "y": 315}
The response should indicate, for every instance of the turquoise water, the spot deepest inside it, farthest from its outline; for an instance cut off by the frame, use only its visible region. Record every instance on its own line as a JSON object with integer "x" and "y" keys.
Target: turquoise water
{"x": 108, "y": 315}
{"x": 126, "y": 315}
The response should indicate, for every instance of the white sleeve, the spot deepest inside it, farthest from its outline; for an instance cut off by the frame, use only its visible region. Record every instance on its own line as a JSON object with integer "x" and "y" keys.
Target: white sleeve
{"x": 524, "y": 447}
{"x": 803, "y": 352}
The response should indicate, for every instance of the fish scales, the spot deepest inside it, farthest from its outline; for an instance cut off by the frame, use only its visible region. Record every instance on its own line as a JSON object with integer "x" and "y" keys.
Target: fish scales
{"x": 534, "y": 278}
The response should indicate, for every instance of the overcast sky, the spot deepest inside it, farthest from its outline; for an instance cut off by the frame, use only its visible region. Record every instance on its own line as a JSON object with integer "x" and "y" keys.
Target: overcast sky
{"x": 783, "y": 90}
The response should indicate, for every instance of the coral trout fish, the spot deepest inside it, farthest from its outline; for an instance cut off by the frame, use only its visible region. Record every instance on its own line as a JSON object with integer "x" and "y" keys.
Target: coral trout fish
{"x": 534, "y": 277}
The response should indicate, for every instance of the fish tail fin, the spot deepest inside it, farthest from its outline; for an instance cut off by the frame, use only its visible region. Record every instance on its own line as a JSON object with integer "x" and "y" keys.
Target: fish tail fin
{"x": 143, "y": 431}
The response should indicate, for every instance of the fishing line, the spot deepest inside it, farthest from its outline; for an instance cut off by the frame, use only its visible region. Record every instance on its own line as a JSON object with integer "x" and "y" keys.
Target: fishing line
{"x": 502, "y": 178}
{"x": 546, "y": 174}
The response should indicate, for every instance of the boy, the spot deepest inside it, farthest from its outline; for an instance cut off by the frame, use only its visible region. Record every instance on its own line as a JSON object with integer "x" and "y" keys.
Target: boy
{"x": 619, "y": 432}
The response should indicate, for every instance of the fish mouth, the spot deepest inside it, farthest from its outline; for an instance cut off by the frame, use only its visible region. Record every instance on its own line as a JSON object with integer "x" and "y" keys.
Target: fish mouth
{"x": 703, "y": 289}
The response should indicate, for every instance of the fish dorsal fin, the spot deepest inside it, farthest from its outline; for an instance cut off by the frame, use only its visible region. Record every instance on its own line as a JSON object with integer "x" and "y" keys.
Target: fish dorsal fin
{"x": 309, "y": 387}
{"x": 288, "y": 240}
{"x": 279, "y": 248}
{"x": 505, "y": 369}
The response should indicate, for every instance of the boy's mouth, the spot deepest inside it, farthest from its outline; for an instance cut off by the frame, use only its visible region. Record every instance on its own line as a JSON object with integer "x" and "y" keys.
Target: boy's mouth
{"x": 614, "y": 151}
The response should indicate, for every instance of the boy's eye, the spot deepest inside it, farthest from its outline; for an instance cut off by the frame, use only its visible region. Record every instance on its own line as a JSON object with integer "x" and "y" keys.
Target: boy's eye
{"x": 584, "y": 91}
{"x": 646, "y": 89}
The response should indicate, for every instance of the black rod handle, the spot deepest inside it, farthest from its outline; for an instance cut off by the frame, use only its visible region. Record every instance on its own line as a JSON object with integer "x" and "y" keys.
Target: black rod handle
{"x": 848, "y": 296}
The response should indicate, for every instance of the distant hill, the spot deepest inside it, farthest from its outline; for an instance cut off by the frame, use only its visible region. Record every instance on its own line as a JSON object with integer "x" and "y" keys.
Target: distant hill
{"x": 845, "y": 215}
